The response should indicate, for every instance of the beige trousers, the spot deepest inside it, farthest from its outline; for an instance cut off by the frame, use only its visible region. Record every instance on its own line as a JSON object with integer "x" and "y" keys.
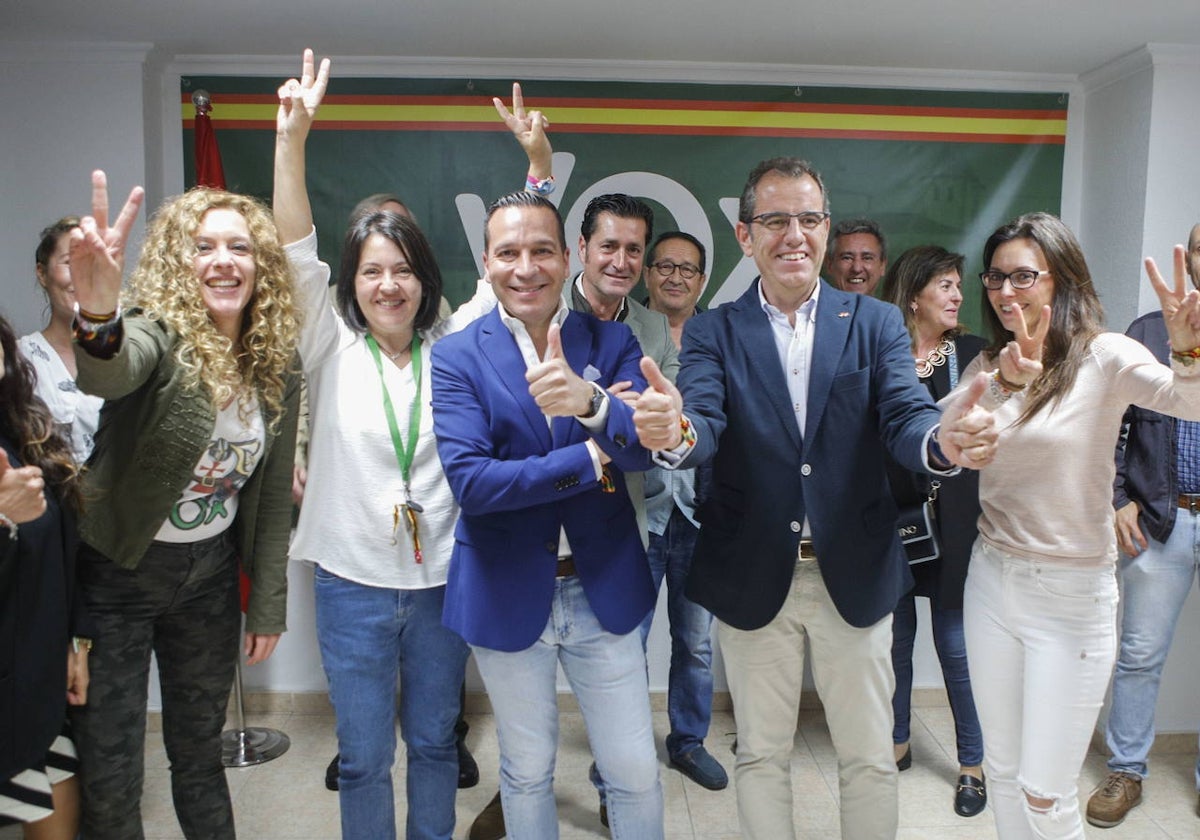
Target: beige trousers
{"x": 852, "y": 668}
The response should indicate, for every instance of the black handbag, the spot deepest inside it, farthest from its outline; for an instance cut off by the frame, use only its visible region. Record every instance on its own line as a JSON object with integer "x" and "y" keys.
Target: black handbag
{"x": 917, "y": 525}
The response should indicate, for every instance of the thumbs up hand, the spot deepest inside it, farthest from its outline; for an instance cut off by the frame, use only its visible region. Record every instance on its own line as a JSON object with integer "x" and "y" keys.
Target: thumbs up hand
{"x": 21, "y": 492}
{"x": 968, "y": 433}
{"x": 658, "y": 411}
{"x": 558, "y": 390}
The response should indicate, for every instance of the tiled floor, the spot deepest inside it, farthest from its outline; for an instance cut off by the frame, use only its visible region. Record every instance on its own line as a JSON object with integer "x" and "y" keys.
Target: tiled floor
{"x": 286, "y": 798}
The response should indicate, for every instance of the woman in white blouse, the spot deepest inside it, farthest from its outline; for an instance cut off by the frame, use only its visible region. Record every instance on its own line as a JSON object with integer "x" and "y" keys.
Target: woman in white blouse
{"x": 378, "y": 516}
{"x": 50, "y": 351}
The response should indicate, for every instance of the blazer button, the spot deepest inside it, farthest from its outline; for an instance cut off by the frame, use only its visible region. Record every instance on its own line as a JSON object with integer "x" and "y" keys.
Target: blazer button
{"x": 805, "y": 470}
{"x": 620, "y": 440}
{"x": 552, "y": 547}
{"x": 795, "y": 526}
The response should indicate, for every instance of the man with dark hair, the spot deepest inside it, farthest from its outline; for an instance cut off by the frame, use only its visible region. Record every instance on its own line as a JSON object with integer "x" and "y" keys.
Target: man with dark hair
{"x": 857, "y": 256}
{"x": 674, "y": 278}
{"x": 797, "y": 392}
{"x": 548, "y": 566}
{"x": 1156, "y": 495}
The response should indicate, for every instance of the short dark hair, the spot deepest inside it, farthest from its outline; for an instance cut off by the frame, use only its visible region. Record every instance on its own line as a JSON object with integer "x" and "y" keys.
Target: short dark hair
{"x": 48, "y": 238}
{"x": 848, "y": 227}
{"x": 620, "y": 205}
{"x": 524, "y": 198}
{"x": 375, "y": 202}
{"x": 416, "y": 249}
{"x": 686, "y": 237}
{"x": 789, "y": 167}
{"x": 912, "y": 271}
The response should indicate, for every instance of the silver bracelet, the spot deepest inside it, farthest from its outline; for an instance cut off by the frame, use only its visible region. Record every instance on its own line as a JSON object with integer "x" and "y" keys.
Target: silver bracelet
{"x": 8, "y": 523}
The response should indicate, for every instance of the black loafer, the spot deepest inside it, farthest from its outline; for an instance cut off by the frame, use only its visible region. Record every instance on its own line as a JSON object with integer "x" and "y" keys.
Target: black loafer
{"x": 905, "y": 761}
{"x": 468, "y": 770}
{"x": 970, "y": 797}
{"x": 331, "y": 773}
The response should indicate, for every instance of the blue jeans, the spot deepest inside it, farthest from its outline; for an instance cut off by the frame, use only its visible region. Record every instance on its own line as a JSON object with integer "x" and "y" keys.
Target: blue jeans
{"x": 690, "y": 684}
{"x": 368, "y": 637}
{"x": 608, "y": 675}
{"x": 1154, "y": 586}
{"x": 951, "y": 646}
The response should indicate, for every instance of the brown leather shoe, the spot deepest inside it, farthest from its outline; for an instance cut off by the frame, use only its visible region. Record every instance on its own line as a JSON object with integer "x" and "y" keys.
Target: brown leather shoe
{"x": 489, "y": 825}
{"x": 1119, "y": 794}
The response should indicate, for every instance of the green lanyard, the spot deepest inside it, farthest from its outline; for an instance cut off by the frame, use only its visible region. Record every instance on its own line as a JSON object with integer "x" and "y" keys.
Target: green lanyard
{"x": 404, "y": 457}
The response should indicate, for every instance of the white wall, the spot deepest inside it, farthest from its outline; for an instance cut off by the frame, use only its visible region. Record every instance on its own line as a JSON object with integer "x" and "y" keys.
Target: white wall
{"x": 64, "y": 110}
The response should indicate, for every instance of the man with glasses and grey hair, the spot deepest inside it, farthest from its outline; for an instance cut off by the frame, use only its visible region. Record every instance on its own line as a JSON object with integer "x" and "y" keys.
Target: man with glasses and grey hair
{"x": 797, "y": 392}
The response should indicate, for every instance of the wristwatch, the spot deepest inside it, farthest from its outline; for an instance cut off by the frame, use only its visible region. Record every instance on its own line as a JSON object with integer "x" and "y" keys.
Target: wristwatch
{"x": 598, "y": 397}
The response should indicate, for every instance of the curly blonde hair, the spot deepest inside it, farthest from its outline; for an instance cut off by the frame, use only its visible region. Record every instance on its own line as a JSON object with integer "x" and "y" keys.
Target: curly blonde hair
{"x": 165, "y": 287}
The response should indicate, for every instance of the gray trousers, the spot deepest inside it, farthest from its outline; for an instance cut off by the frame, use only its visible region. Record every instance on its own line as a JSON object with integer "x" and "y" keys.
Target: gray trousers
{"x": 182, "y": 604}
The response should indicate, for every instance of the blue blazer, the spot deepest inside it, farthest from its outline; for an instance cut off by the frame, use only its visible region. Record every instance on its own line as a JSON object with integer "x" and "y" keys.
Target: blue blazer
{"x": 520, "y": 480}
{"x": 863, "y": 399}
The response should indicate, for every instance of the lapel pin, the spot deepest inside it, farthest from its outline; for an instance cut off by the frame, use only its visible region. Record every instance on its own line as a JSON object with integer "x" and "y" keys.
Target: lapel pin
{"x": 843, "y": 314}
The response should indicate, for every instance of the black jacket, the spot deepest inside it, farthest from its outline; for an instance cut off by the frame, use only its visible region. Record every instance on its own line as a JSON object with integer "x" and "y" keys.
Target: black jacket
{"x": 1146, "y": 452}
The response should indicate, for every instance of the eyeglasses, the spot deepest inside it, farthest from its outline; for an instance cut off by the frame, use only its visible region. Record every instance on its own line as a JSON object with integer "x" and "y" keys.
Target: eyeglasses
{"x": 1022, "y": 278}
{"x": 779, "y": 222}
{"x": 665, "y": 268}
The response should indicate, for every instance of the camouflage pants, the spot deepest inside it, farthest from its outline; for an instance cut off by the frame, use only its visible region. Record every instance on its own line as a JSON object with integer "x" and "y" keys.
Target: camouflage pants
{"x": 182, "y": 603}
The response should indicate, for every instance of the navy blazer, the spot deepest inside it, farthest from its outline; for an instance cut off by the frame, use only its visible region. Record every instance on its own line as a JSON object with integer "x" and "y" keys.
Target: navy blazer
{"x": 863, "y": 399}
{"x": 519, "y": 481}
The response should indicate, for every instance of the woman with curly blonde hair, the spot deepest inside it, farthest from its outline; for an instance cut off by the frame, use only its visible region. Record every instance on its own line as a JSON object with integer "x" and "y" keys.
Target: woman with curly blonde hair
{"x": 191, "y": 472}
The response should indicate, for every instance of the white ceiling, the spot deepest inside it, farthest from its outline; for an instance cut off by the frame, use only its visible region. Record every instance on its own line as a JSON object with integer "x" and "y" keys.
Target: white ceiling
{"x": 1017, "y": 36}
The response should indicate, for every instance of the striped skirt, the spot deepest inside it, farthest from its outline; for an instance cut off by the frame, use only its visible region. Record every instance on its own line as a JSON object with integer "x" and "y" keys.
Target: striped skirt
{"x": 26, "y": 796}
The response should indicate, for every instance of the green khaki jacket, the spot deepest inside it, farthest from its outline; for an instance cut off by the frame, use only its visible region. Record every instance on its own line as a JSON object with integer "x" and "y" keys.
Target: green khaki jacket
{"x": 152, "y": 432}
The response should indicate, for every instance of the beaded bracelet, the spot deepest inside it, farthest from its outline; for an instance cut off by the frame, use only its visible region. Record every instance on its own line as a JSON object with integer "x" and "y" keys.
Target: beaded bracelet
{"x": 1187, "y": 358}
{"x": 539, "y": 186}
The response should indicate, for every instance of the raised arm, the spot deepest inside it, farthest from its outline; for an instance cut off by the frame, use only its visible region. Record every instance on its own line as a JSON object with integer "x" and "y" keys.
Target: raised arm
{"x": 298, "y": 103}
{"x": 529, "y": 127}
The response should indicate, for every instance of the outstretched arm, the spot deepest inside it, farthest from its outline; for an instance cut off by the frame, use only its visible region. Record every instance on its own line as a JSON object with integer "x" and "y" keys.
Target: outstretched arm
{"x": 298, "y": 103}
{"x": 530, "y": 130}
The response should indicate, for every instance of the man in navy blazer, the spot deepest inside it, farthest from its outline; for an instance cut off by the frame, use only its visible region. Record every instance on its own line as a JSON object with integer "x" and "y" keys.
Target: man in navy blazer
{"x": 795, "y": 392}
{"x": 548, "y": 565}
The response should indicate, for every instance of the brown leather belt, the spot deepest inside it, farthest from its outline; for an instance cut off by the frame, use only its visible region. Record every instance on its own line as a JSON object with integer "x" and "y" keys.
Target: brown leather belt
{"x": 566, "y": 567}
{"x": 1190, "y": 502}
{"x": 807, "y": 552}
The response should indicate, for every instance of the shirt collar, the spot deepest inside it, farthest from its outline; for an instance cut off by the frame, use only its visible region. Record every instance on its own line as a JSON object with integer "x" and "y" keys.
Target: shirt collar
{"x": 807, "y": 310}
{"x": 512, "y": 323}
{"x": 579, "y": 301}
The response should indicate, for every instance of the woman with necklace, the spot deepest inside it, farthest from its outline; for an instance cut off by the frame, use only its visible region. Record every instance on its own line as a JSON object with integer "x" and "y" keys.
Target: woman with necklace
{"x": 378, "y": 515}
{"x": 926, "y": 284}
{"x": 50, "y": 351}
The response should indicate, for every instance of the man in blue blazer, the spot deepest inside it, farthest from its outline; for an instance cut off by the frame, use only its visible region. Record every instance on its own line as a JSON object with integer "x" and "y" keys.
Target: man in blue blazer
{"x": 548, "y": 565}
{"x": 795, "y": 391}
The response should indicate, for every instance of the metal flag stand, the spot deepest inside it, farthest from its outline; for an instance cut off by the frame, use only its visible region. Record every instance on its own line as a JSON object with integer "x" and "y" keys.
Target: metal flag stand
{"x": 247, "y": 746}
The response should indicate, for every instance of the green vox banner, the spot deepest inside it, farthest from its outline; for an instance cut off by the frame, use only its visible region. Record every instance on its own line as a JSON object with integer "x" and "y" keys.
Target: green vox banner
{"x": 930, "y": 166}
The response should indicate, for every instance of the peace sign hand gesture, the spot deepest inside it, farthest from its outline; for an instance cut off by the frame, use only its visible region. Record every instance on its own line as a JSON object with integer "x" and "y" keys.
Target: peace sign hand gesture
{"x": 530, "y": 130}
{"x": 1180, "y": 306}
{"x": 299, "y": 99}
{"x": 98, "y": 250}
{"x": 1021, "y": 359}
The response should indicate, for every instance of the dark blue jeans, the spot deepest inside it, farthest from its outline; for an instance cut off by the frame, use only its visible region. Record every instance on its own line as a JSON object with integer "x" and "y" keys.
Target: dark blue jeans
{"x": 369, "y": 636}
{"x": 690, "y": 684}
{"x": 951, "y": 648}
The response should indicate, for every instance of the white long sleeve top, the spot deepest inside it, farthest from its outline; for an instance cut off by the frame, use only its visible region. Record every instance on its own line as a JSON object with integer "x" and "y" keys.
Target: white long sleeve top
{"x": 354, "y": 483}
{"x": 1048, "y": 493}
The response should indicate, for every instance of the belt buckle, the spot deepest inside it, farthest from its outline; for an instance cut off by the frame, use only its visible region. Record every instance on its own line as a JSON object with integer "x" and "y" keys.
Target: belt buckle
{"x": 1191, "y": 502}
{"x": 807, "y": 552}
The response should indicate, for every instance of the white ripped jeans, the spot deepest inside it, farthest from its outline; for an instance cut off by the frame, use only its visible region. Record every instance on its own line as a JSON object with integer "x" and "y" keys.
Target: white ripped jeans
{"x": 1041, "y": 642}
